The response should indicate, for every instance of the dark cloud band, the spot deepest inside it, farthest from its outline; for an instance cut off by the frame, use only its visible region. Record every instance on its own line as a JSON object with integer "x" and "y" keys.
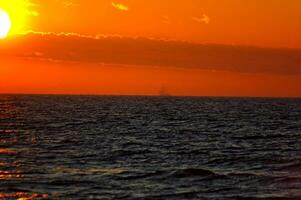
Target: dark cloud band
{"x": 142, "y": 51}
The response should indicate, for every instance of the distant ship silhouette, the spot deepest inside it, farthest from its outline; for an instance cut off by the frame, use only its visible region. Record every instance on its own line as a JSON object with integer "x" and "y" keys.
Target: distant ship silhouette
{"x": 164, "y": 92}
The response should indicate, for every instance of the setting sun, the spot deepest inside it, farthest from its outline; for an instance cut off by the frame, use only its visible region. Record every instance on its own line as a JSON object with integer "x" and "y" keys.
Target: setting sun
{"x": 16, "y": 13}
{"x": 5, "y": 24}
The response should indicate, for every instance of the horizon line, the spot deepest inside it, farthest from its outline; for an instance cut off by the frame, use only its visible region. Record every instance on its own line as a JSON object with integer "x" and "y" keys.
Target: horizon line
{"x": 150, "y": 95}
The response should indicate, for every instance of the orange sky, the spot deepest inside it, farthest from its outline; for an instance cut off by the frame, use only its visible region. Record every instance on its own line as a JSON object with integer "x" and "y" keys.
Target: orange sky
{"x": 272, "y": 23}
{"x": 123, "y": 47}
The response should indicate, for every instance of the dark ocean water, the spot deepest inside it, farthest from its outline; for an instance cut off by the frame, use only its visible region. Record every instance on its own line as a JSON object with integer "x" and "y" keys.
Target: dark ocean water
{"x": 81, "y": 147}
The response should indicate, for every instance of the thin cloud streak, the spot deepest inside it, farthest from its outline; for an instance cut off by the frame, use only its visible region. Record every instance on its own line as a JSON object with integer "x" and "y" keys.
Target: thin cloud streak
{"x": 205, "y": 19}
{"x": 29, "y": 4}
{"x": 120, "y": 6}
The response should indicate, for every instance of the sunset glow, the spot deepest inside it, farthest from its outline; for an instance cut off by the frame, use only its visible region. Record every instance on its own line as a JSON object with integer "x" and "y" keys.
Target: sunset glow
{"x": 217, "y": 38}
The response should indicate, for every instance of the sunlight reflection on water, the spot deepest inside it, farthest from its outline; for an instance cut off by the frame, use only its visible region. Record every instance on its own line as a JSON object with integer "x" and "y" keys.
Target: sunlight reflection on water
{"x": 23, "y": 196}
{"x": 10, "y": 172}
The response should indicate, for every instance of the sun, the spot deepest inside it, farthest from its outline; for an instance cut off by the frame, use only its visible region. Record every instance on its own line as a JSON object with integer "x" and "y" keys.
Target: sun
{"x": 5, "y": 24}
{"x": 14, "y": 16}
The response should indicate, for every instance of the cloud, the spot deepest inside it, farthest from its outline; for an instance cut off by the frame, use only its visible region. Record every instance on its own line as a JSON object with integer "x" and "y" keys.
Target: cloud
{"x": 120, "y": 6}
{"x": 166, "y": 19}
{"x": 33, "y": 13}
{"x": 205, "y": 19}
{"x": 28, "y": 3}
{"x": 67, "y": 3}
{"x": 151, "y": 52}
{"x": 29, "y": 6}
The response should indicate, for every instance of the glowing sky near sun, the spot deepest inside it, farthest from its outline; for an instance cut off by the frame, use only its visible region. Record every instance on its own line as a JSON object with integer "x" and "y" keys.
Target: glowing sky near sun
{"x": 19, "y": 12}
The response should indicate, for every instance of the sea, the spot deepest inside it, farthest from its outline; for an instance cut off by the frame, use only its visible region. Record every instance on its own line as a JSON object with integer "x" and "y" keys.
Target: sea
{"x": 127, "y": 147}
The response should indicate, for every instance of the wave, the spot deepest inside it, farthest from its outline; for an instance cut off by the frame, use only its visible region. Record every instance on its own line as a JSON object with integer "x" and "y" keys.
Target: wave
{"x": 193, "y": 172}
{"x": 171, "y": 173}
